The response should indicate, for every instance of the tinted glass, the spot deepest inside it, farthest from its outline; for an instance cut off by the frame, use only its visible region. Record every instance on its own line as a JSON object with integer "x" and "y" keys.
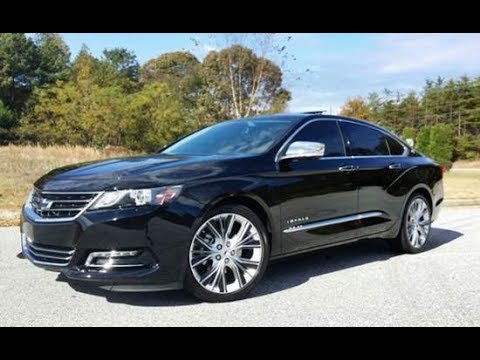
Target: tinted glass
{"x": 363, "y": 140}
{"x": 232, "y": 137}
{"x": 325, "y": 132}
{"x": 395, "y": 147}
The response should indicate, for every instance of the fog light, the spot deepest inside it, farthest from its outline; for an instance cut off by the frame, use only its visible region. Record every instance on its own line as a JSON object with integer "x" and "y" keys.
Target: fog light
{"x": 114, "y": 259}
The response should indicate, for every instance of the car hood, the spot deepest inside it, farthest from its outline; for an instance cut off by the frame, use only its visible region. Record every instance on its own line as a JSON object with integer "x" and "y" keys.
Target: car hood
{"x": 137, "y": 172}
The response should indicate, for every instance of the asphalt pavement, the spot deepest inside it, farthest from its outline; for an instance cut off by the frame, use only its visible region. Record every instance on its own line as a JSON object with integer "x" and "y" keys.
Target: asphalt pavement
{"x": 362, "y": 284}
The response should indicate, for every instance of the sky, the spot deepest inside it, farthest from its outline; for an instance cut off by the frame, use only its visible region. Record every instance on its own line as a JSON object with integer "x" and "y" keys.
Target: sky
{"x": 323, "y": 70}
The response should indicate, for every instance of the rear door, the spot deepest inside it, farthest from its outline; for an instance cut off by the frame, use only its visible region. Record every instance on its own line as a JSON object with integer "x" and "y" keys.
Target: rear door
{"x": 378, "y": 159}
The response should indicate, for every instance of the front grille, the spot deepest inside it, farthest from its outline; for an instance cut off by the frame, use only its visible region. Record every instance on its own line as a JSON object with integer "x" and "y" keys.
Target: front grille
{"x": 53, "y": 205}
{"x": 48, "y": 255}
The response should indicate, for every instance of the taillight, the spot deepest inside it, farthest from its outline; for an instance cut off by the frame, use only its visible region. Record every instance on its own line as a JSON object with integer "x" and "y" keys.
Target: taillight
{"x": 443, "y": 168}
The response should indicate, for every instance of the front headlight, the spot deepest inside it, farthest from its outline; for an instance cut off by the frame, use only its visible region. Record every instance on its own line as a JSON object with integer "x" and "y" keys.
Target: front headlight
{"x": 136, "y": 197}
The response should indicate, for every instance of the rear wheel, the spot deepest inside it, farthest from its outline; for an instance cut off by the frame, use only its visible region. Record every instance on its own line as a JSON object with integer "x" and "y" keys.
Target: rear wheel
{"x": 228, "y": 255}
{"x": 416, "y": 226}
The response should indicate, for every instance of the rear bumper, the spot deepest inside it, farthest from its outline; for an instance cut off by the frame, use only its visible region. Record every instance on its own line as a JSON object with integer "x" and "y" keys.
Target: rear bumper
{"x": 157, "y": 248}
{"x": 437, "y": 199}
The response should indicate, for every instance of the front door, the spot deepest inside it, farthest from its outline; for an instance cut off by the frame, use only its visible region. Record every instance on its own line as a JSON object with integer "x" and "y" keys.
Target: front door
{"x": 316, "y": 193}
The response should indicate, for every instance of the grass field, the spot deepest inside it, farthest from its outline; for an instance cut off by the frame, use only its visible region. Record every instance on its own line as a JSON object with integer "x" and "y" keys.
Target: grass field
{"x": 20, "y": 166}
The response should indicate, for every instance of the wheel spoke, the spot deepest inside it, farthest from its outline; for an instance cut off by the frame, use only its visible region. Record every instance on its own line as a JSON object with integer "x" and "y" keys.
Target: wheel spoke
{"x": 244, "y": 241}
{"x": 222, "y": 227}
{"x": 202, "y": 260}
{"x": 423, "y": 232}
{"x": 214, "y": 231}
{"x": 247, "y": 261}
{"x": 218, "y": 273}
{"x": 212, "y": 272}
{"x": 243, "y": 230}
{"x": 248, "y": 247}
{"x": 204, "y": 243}
{"x": 230, "y": 226}
{"x": 237, "y": 275}
{"x": 415, "y": 238}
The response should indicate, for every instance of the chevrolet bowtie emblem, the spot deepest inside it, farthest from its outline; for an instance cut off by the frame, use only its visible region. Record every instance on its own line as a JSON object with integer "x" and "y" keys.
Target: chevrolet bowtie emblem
{"x": 45, "y": 204}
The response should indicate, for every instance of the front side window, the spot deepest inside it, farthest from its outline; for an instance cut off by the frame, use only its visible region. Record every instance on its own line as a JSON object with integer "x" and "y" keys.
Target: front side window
{"x": 395, "y": 147}
{"x": 326, "y": 132}
{"x": 233, "y": 137}
{"x": 364, "y": 141}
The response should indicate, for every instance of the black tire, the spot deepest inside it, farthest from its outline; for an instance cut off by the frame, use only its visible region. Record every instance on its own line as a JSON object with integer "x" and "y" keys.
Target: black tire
{"x": 192, "y": 285}
{"x": 401, "y": 243}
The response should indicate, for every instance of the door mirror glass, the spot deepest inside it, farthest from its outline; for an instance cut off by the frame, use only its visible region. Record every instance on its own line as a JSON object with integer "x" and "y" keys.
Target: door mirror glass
{"x": 303, "y": 149}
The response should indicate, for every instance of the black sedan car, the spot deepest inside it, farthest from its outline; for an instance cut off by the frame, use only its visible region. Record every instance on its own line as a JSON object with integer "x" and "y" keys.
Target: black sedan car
{"x": 209, "y": 211}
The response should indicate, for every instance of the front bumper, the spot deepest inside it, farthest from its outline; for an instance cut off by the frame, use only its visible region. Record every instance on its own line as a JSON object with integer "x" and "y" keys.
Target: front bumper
{"x": 153, "y": 244}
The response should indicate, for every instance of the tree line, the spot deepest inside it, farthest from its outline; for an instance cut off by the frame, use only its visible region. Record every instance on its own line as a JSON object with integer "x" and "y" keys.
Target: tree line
{"x": 443, "y": 119}
{"x": 47, "y": 98}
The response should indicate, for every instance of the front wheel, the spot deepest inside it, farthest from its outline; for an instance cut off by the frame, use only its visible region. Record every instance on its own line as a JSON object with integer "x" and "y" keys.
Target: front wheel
{"x": 228, "y": 255}
{"x": 416, "y": 226}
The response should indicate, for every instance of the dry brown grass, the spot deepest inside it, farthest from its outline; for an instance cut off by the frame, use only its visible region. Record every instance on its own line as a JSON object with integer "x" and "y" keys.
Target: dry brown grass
{"x": 466, "y": 164}
{"x": 20, "y": 166}
{"x": 462, "y": 184}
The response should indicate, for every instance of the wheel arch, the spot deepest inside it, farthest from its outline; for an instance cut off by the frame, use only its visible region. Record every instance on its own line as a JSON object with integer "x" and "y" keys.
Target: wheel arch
{"x": 422, "y": 189}
{"x": 254, "y": 203}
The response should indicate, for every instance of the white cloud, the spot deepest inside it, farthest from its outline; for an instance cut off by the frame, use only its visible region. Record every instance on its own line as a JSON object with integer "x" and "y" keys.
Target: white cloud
{"x": 397, "y": 53}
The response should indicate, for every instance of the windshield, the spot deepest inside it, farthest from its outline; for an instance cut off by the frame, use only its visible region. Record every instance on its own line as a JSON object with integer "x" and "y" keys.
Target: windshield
{"x": 232, "y": 137}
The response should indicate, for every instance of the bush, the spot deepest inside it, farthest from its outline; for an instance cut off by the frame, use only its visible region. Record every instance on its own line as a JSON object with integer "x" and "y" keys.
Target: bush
{"x": 408, "y": 133}
{"x": 441, "y": 143}
{"x": 437, "y": 142}
{"x": 466, "y": 147}
{"x": 422, "y": 142}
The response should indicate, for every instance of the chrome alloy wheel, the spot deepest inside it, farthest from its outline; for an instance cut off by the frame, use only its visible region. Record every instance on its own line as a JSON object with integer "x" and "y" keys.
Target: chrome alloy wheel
{"x": 418, "y": 223}
{"x": 226, "y": 253}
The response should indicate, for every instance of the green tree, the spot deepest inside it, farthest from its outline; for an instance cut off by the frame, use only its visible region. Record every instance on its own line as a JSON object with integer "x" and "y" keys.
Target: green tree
{"x": 17, "y": 69}
{"x": 181, "y": 71}
{"x": 422, "y": 142}
{"x": 53, "y": 58}
{"x": 7, "y": 122}
{"x": 178, "y": 69}
{"x": 123, "y": 61}
{"x": 441, "y": 143}
{"x": 242, "y": 83}
{"x": 356, "y": 108}
{"x": 155, "y": 117}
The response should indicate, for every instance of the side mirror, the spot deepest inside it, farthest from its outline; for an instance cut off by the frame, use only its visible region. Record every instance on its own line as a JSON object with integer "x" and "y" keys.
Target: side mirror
{"x": 304, "y": 149}
{"x": 410, "y": 142}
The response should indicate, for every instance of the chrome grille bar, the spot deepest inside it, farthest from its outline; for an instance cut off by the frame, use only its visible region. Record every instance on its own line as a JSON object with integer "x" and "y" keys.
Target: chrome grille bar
{"x": 46, "y": 255}
{"x": 49, "y": 206}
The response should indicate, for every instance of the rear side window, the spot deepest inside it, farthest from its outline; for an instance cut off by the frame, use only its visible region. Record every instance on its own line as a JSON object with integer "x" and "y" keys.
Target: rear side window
{"x": 326, "y": 132}
{"x": 395, "y": 147}
{"x": 364, "y": 141}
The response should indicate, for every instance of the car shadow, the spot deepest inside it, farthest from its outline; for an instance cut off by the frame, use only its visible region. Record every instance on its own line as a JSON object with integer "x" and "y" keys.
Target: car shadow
{"x": 281, "y": 275}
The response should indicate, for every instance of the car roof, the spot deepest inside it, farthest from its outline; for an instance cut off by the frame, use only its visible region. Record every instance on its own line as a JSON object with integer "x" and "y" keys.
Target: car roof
{"x": 303, "y": 117}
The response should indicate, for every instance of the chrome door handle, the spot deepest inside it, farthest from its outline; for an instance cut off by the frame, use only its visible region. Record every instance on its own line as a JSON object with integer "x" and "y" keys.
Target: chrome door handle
{"x": 395, "y": 166}
{"x": 348, "y": 168}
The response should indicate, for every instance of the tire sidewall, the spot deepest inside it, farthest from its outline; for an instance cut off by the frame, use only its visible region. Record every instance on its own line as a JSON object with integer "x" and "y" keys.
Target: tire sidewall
{"x": 191, "y": 284}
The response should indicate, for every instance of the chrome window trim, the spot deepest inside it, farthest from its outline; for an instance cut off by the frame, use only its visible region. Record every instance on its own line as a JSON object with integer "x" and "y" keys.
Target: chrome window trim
{"x": 32, "y": 215}
{"x": 335, "y": 221}
{"x": 385, "y": 132}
